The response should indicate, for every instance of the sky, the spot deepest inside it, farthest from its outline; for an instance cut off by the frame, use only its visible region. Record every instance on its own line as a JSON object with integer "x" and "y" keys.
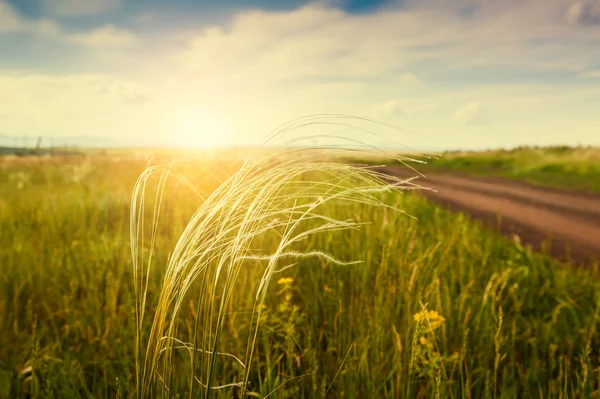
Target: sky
{"x": 454, "y": 73}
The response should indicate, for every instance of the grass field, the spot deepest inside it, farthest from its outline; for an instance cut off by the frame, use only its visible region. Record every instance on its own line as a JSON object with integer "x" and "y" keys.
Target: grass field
{"x": 573, "y": 168}
{"x": 439, "y": 307}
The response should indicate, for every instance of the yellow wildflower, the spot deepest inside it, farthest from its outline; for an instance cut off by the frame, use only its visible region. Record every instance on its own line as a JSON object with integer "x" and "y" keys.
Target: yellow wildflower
{"x": 285, "y": 281}
{"x": 430, "y": 318}
{"x": 423, "y": 341}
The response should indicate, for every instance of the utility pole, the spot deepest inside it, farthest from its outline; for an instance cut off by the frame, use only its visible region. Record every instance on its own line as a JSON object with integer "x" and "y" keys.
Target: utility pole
{"x": 38, "y": 145}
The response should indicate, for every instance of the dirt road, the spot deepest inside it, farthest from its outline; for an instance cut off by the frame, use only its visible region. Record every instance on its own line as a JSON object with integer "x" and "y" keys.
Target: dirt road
{"x": 569, "y": 222}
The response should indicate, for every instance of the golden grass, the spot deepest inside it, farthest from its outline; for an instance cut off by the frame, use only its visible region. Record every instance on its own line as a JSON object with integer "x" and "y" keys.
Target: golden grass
{"x": 277, "y": 189}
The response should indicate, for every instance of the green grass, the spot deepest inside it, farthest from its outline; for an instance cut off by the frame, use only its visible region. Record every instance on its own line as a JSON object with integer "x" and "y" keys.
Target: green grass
{"x": 516, "y": 324}
{"x": 575, "y": 168}
{"x": 563, "y": 167}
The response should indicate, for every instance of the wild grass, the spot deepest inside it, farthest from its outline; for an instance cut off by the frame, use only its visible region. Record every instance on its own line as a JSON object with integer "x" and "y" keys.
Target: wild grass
{"x": 573, "y": 168}
{"x": 437, "y": 307}
{"x": 280, "y": 193}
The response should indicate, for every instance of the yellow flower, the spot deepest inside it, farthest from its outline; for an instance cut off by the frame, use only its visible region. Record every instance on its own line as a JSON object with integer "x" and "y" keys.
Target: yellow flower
{"x": 288, "y": 296}
{"x": 423, "y": 340}
{"x": 285, "y": 280}
{"x": 430, "y": 318}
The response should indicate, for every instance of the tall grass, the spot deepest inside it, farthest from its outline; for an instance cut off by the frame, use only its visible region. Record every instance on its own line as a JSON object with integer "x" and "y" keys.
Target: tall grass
{"x": 418, "y": 317}
{"x": 281, "y": 190}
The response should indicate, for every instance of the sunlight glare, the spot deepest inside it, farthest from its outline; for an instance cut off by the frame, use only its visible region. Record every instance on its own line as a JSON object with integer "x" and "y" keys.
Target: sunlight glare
{"x": 201, "y": 130}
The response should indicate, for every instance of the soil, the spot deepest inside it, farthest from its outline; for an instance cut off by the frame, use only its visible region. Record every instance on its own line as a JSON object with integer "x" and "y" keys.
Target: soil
{"x": 564, "y": 224}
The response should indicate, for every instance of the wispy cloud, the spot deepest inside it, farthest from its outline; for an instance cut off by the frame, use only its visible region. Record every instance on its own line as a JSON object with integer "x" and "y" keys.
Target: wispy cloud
{"x": 402, "y": 106}
{"x": 73, "y": 8}
{"x": 12, "y": 21}
{"x": 584, "y": 12}
{"x": 317, "y": 41}
{"x": 47, "y": 28}
{"x": 593, "y": 74}
{"x": 469, "y": 113}
{"x": 105, "y": 36}
{"x": 386, "y": 108}
{"x": 73, "y": 105}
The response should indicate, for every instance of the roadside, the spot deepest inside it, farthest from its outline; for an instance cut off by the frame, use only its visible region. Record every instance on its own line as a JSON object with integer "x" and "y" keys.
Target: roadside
{"x": 565, "y": 224}
{"x": 570, "y": 168}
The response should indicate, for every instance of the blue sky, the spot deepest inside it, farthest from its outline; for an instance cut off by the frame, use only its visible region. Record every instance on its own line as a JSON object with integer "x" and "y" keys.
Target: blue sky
{"x": 460, "y": 73}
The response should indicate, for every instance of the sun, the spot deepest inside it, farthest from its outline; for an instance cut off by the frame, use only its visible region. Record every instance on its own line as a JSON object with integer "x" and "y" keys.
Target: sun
{"x": 201, "y": 130}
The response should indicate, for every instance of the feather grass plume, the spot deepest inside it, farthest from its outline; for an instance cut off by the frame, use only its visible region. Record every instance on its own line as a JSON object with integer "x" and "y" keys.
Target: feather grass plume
{"x": 278, "y": 188}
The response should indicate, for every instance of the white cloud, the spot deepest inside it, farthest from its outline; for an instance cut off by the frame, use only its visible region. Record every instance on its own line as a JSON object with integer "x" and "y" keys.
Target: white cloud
{"x": 316, "y": 42}
{"x": 593, "y": 74}
{"x": 12, "y": 21}
{"x": 79, "y": 104}
{"x": 105, "y": 36}
{"x": 406, "y": 79}
{"x": 584, "y": 12}
{"x": 386, "y": 108}
{"x": 367, "y": 63}
{"x": 469, "y": 113}
{"x": 70, "y": 8}
{"x": 308, "y": 42}
{"x": 9, "y": 19}
{"x": 406, "y": 106}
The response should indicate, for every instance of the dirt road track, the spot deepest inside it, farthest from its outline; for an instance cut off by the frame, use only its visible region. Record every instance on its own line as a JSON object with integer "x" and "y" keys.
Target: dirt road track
{"x": 569, "y": 222}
